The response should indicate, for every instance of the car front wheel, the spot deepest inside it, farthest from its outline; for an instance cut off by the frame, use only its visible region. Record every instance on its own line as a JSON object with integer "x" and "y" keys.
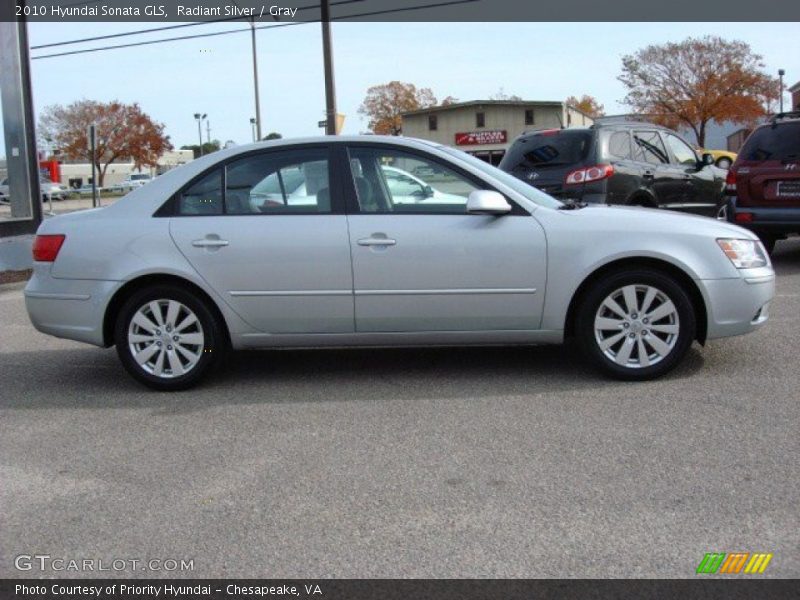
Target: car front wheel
{"x": 167, "y": 338}
{"x": 636, "y": 325}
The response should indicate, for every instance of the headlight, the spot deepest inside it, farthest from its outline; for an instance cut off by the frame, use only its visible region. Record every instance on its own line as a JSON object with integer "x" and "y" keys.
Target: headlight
{"x": 744, "y": 254}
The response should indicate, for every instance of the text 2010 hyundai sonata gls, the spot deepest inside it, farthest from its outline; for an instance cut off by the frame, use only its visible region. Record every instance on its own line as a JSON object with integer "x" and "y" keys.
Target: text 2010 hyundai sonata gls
{"x": 317, "y": 242}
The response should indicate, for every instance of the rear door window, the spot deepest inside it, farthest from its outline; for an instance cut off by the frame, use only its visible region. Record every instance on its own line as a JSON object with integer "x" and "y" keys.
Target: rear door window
{"x": 781, "y": 142}
{"x": 619, "y": 145}
{"x": 649, "y": 147}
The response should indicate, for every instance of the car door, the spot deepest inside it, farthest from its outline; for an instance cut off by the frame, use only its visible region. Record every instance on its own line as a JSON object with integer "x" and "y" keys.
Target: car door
{"x": 430, "y": 266}
{"x": 283, "y": 266}
{"x": 700, "y": 190}
{"x": 665, "y": 182}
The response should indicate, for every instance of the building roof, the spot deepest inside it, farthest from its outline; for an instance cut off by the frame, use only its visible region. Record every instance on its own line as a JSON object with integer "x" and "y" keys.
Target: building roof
{"x": 455, "y": 105}
{"x": 795, "y": 87}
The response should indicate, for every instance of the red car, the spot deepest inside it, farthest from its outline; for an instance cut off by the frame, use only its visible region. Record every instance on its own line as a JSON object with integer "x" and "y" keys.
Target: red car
{"x": 763, "y": 184}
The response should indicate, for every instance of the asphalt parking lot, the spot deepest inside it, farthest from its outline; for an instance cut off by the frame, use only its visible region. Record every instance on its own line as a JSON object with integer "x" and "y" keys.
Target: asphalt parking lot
{"x": 488, "y": 462}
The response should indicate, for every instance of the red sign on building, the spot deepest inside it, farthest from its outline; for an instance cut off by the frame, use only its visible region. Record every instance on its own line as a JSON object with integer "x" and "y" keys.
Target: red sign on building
{"x": 475, "y": 138}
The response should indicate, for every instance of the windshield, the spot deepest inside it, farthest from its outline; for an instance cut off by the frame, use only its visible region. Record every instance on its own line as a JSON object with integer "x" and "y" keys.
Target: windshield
{"x": 531, "y": 193}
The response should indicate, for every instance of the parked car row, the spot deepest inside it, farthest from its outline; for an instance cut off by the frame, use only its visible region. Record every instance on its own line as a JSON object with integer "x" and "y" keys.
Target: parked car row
{"x": 49, "y": 190}
{"x": 365, "y": 241}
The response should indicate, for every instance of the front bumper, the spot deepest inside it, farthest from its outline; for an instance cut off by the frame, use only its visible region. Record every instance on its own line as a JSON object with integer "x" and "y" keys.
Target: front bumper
{"x": 68, "y": 308}
{"x": 738, "y": 306}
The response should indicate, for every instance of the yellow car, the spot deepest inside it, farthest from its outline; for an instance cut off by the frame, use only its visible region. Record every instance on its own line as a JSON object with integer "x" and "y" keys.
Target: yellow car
{"x": 722, "y": 158}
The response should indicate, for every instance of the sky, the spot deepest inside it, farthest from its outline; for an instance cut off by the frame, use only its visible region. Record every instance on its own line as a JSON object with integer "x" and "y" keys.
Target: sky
{"x": 537, "y": 61}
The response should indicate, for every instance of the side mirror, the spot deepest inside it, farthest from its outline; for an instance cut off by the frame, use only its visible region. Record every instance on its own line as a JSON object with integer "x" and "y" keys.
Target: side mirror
{"x": 707, "y": 159}
{"x": 486, "y": 202}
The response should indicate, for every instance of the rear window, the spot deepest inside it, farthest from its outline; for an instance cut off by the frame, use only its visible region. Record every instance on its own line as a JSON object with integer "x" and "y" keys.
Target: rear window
{"x": 559, "y": 148}
{"x": 781, "y": 142}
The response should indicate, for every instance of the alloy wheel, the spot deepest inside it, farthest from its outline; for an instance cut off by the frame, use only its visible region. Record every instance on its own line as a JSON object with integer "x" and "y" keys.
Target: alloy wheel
{"x": 166, "y": 338}
{"x": 637, "y": 326}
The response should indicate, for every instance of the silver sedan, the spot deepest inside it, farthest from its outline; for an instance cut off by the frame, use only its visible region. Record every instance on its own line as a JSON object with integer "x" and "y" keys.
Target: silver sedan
{"x": 201, "y": 261}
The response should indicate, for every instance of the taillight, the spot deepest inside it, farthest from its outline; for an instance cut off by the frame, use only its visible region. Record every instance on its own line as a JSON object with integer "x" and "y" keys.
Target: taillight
{"x": 730, "y": 183}
{"x": 46, "y": 247}
{"x": 743, "y": 217}
{"x": 589, "y": 174}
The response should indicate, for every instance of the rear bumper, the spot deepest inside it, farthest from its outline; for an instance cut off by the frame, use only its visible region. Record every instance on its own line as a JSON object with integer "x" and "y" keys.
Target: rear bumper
{"x": 780, "y": 220}
{"x": 68, "y": 308}
{"x": 738, "y": 306}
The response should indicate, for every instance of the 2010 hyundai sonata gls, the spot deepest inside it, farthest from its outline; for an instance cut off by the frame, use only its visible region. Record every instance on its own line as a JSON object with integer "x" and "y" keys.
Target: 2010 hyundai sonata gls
{"x": 343, "y": 242}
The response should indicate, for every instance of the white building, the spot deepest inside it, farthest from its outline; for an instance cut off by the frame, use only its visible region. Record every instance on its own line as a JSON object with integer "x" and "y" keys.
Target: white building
{"x": 76, "y": 174}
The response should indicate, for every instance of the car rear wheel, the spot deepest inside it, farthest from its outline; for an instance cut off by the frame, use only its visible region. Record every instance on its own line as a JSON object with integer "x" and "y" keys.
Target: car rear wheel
{"x": 167, "y": 338}
{"x": 636, "y": 325}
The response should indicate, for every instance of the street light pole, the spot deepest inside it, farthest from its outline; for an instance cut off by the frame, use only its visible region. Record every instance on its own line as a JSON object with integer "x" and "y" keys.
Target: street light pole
{"x": 781, "y": 73}
{"x": 327, "y": 56}
{"x": 253, "y": 128}
{"x": 255, "y": 77}
{"x": 200, "y": 118}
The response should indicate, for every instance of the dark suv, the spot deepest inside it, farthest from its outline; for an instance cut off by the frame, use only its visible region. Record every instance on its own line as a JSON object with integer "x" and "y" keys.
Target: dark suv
{"x": 630, "y": 163}
{"x": 764, "y": 181}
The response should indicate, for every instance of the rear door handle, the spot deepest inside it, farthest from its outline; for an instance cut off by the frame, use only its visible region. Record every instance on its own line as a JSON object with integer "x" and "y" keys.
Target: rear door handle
{"x": 207, "y": 243}
{"x": 376, "y": 241}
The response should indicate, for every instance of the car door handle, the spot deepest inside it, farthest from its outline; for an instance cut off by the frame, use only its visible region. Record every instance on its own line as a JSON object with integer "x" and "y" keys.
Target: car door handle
{"x": 648, "y": 175}
{"x": 376, "y": 241}
{"x": 209, "y": 243}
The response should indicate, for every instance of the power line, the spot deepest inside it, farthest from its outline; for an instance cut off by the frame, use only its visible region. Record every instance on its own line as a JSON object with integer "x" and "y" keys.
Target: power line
{"x": 167, "y": 27}
{"x": 232, "y": 31}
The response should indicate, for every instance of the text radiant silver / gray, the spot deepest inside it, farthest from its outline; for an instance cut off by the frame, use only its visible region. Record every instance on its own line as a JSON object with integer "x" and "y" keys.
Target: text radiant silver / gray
{"x": 384, "y": 241}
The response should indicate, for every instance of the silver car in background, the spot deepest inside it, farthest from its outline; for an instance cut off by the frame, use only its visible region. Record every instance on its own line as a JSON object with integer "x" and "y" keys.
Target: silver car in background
{"x": 208, "y": 257}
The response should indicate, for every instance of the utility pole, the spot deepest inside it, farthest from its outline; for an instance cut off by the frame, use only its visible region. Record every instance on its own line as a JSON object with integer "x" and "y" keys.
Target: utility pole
{"x": 781, "y": 73}
{"x": 255, "y": 77}
{"x": 208, "y": 133}
{"x": 200, "y": 118}
{"x": 330, "y": 85}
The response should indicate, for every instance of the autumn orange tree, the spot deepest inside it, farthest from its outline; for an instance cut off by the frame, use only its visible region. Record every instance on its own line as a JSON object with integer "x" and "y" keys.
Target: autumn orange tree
{"x": 123, "y": 132}
{"x": 586, "y": 104}
{"x": 385, "y": 103}
{"x": 690, "y": 83}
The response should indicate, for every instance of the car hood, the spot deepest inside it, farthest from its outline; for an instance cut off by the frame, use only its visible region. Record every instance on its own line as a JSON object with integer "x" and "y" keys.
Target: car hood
{"x": 637, "y": 219}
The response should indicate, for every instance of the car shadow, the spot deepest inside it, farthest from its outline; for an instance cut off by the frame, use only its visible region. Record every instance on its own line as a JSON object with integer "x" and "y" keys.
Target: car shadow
{"x": 93, "y": 378}
{"x": 786, "y": 257}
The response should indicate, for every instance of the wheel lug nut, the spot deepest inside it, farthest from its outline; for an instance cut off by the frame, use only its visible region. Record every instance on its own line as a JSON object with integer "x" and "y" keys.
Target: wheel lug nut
{"x": 632, "y": 335}
{"x": 645, "y": 320}
{"x": 626, "y": 325}
{"x": 158, "y": 332}
{"x": 645, "y": 332}
{"x": 169, "y": 347}
{"x": 174, "y": 338}
{"x": 158, "y": 344}
{"x": 634, "y": 316}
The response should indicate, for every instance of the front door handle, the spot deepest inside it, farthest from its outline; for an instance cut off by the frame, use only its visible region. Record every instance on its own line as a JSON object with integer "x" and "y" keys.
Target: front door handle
{"x": 209, "y": 243}
{"x": 376, "y": 241}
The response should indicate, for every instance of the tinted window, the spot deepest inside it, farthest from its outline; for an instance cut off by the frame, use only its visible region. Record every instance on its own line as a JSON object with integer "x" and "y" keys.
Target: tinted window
{"x": 393, "y": 181}
{"x": 557, "y": 148}
{"x": 683, "y": 153}
{"x": 278, "y": 182}
{"x": 619, "y": 145}
{"x": 773, "y": 143}
{"x": 204, "y": 197}
{"x": 649, "y": 147}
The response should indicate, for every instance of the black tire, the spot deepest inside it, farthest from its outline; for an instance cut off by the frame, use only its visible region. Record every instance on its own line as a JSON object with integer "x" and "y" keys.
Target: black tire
{"x": 211, "y": 351}
{"x": 680, "y": 342}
